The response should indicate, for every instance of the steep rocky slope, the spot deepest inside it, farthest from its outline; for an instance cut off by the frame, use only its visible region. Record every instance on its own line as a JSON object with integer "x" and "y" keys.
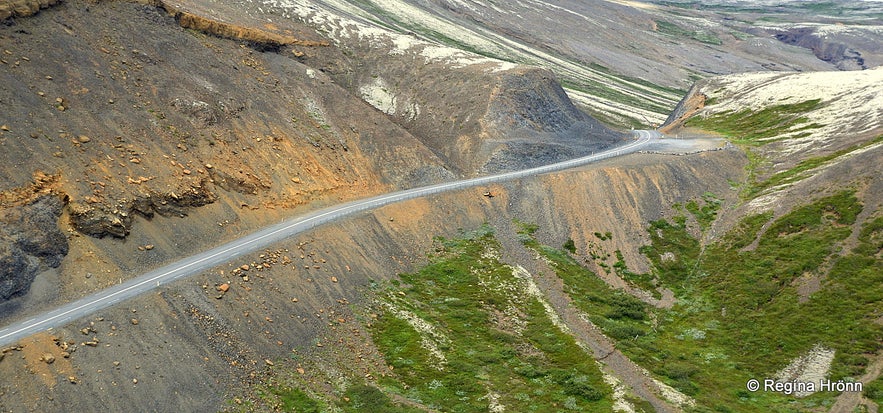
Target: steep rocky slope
{"x": 229, "y": 111}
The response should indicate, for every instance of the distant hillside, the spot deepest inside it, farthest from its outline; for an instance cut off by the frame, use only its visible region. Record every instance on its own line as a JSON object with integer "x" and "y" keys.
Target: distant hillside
{"x": 795, "y": 126}
{"x": 625, "y": 62}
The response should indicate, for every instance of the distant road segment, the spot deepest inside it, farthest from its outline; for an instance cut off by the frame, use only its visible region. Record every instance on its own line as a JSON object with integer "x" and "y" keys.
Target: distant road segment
{"x": 250, "y": 243}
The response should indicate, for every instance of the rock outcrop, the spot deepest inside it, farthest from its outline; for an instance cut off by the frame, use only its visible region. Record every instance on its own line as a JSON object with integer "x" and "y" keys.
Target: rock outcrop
{"x": 691, "y": 103}
{"x": 23, "y": 8}
{"x": 840, "y": 54}
{"x": 101, "y": 220}
{"x": 30, "y": 241}
{"x": 540, "y": 123}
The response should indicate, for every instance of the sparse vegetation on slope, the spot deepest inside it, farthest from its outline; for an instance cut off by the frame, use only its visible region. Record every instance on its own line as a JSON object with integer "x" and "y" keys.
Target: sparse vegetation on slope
{"x": 676, "y": 31}
{"x": 750, "y": 128}
{"x": 756, "y": 127}
{"x": 619, "y": 315}
{"x": 800, "y": 170}
{"x": 466, "y": 334}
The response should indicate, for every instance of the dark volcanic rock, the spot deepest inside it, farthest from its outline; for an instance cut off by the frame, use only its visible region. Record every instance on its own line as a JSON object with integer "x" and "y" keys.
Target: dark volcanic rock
{"x": 30, "y": 241}
{"x": 830, "y": 50}
{"x": 532, "y": 99}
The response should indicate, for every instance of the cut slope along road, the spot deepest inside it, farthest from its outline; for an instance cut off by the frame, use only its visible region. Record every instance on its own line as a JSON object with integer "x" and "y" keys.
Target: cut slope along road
{"x": 250, "y": 243}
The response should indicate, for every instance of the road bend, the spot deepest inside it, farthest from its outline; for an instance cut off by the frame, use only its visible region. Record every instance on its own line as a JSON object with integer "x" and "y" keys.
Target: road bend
{"x": 203, "y": 261}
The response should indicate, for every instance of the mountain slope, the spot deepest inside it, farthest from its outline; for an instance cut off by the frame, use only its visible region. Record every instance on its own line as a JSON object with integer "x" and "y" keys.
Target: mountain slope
{"x": 227, "y": 111}
{"x": 626, "y": 62}
{"x": 657, "y": 281}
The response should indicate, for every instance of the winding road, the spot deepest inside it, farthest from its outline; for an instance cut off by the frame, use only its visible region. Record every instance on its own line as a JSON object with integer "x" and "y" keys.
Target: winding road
{"x": 250, "y": 243}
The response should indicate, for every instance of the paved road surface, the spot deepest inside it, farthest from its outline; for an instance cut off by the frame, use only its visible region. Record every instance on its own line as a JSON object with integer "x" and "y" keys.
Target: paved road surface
{"x": 205, "y": 260}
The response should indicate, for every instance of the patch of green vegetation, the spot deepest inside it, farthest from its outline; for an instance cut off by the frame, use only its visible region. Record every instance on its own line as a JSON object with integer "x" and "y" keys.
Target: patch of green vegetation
{"x": 569, "y": 245}
{"x": 645, "y": 281}
{"x": 674, "y": 30}
{"x": 671, "y": 29}
{"x": 707, "y": 37}
{"x": 740, "y": 315}
{"x": 364, "y": 398}
{"x": 741, "y": 35}
{"x": 296, "y": 400}
{"x": 358, "y": 397}
{"x": 705, "y": 213}
{"x": 874, "y": 391}
{"x": 750, "y": 127}
{"x": 743, "y": 234}
{"x": 797, "y": 173}
{"x": 281, "y": 396}
{"x": 381, "y": 16}
{"x": 487, "y": 341}
{"x": 603, "y": 237}
{"x": 823, "y": 7}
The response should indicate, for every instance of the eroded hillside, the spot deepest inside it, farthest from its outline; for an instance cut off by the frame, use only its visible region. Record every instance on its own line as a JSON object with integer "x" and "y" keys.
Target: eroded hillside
{"x": 247, "y": 120}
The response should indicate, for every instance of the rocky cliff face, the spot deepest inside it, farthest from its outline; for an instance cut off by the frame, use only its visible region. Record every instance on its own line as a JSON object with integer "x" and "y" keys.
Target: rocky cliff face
{"x": 847, "y": 48}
